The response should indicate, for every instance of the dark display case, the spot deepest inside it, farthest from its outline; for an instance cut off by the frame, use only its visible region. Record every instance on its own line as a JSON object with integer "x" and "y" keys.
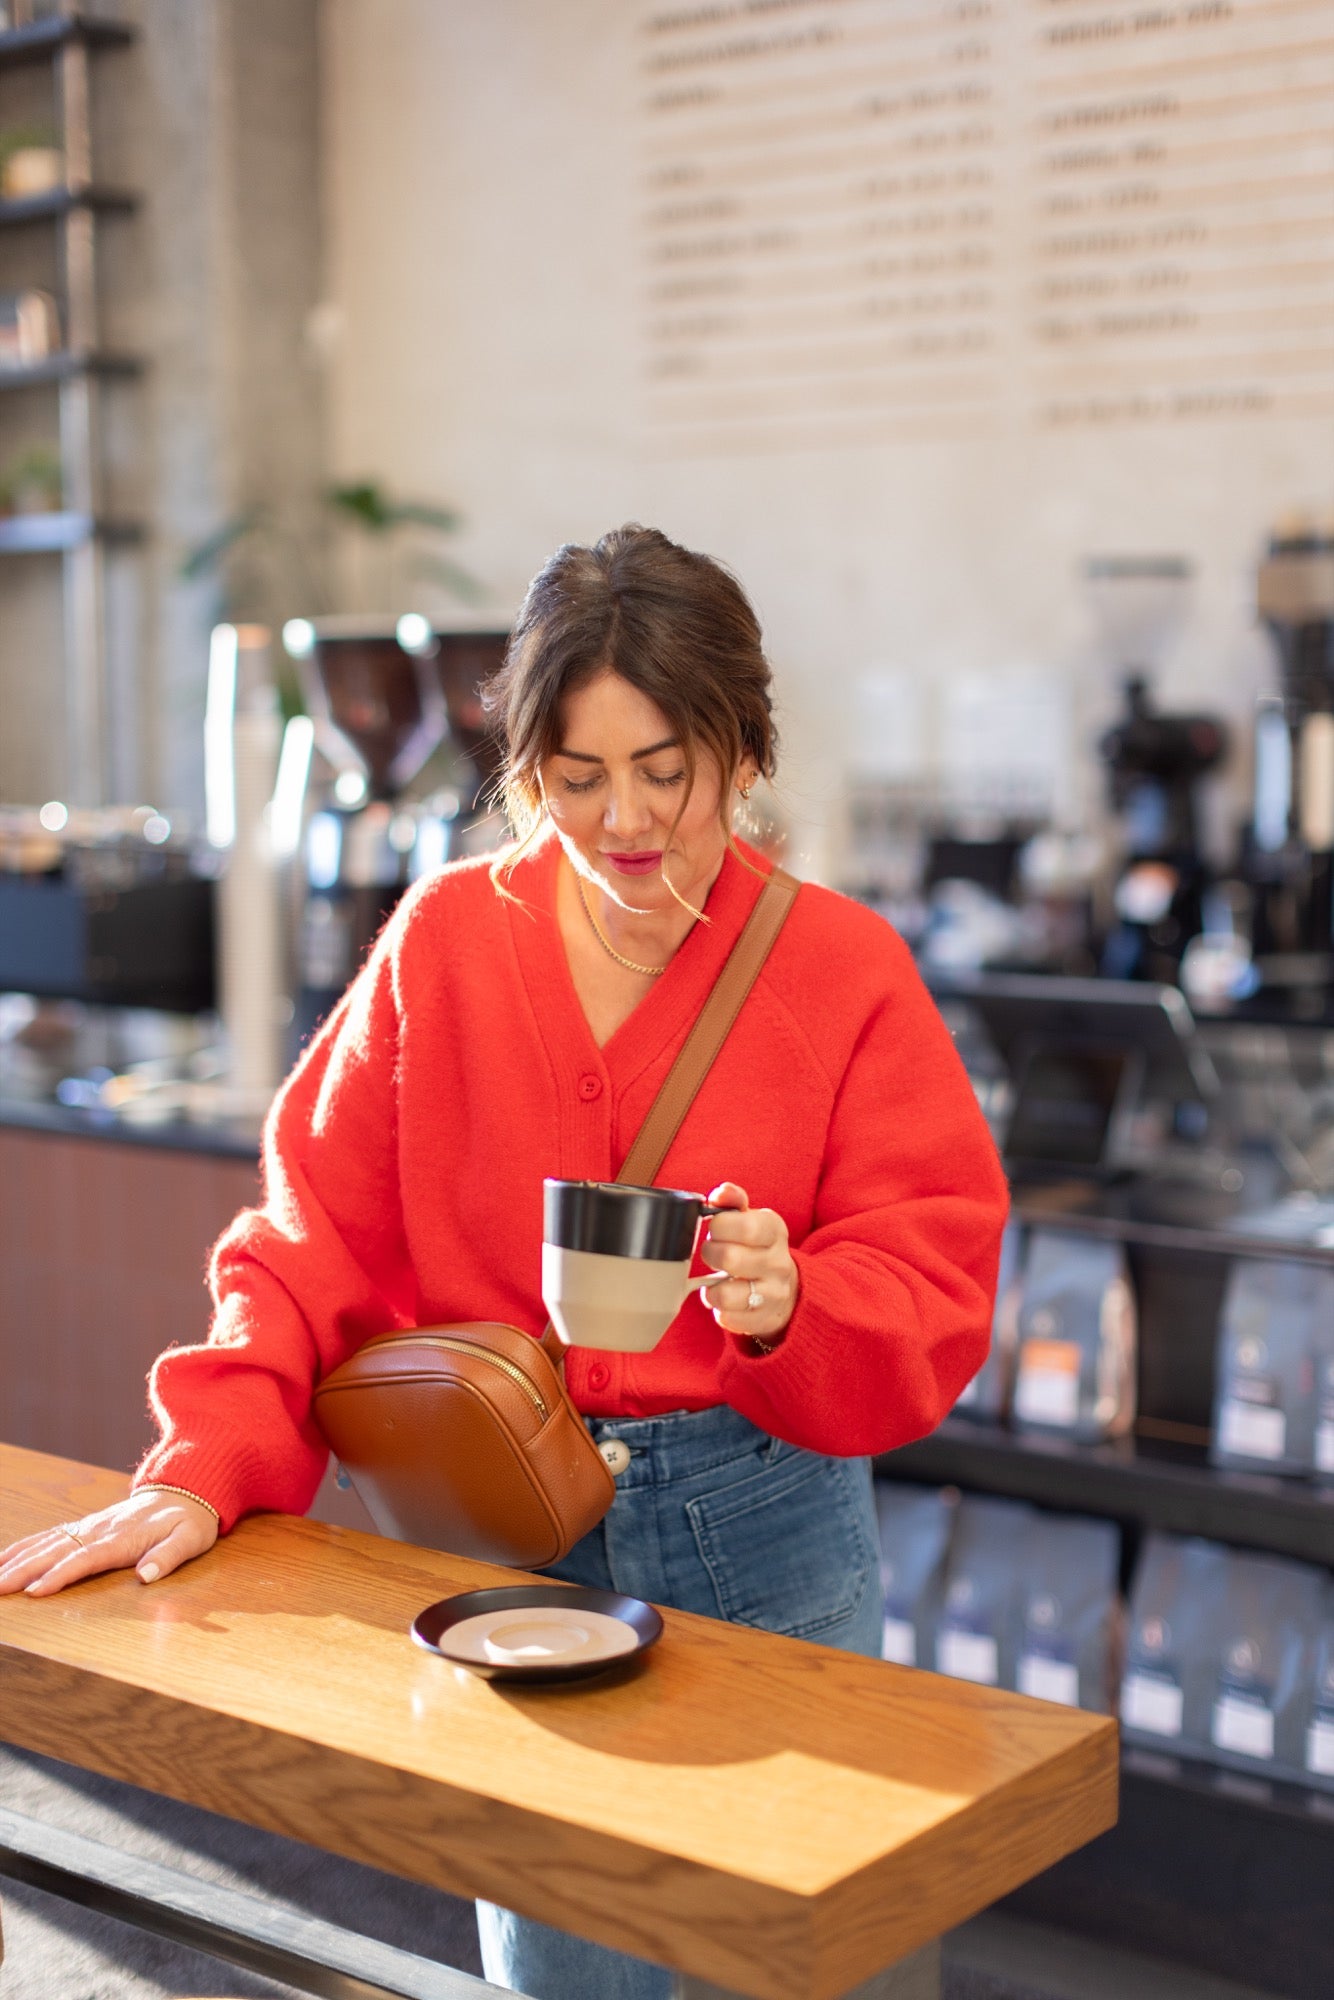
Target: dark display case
{"x": 138, "y": 944}
{"x": 1226, "y": 1870}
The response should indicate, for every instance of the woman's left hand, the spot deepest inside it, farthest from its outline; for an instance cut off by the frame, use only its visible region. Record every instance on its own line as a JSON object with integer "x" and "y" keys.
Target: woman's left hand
{"x": 751, "y": 1245}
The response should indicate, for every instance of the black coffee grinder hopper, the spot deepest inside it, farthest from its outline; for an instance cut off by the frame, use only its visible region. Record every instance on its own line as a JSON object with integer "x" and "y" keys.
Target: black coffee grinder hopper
{"x": 1155, "y": 763}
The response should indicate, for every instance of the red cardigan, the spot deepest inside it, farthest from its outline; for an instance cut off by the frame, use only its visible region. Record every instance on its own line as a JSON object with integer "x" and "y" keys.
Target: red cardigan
{"x": 404, "y": 1158}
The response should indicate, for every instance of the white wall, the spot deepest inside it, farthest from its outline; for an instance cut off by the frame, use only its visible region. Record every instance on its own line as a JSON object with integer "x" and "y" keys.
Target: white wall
{"x": 487, "y": 264}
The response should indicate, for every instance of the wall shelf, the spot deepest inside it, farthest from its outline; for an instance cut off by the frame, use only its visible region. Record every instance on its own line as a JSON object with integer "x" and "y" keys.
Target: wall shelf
{"x": 38, "y": 39}
{"x": 66, "y": 367}
{"x": 57, "y": 202}
{"x": 1154, "y": 1485}
{"x": 40, "y": 534}
{"x": 69, "y": 43}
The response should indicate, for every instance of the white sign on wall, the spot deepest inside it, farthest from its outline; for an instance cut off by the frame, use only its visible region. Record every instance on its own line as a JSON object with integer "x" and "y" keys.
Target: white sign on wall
{"x": 911, "y": 220}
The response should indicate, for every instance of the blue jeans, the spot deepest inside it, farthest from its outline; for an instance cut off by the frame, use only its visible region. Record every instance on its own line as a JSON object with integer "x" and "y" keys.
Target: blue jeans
{"x": 713, "y": 1516}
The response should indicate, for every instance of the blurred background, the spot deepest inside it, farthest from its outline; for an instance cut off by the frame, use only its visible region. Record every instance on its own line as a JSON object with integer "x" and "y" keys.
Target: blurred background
{"x": 991, "y": 343}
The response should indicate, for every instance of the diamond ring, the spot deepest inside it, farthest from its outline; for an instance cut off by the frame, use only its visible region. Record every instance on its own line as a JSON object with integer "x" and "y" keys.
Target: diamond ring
{"x": 754, "y": 1299}
{"x": 66, "y": 1529}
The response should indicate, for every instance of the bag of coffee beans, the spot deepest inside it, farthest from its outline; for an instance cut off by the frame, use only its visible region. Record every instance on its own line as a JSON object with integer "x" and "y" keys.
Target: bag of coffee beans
{"x": 1324, "y": 1401}
{"x": 987, "y": 1396}
{"x": 1173, "y": 1641}
{"x": 977, "y": 1636}
{"x": 1318, "y": 1739}
{"x": 1272, "y": 1342}
{"x": 1264, "y": 1661}
{"x": 915, "y": 1527}
{"x": 1076, "y": 1362}
{"x": 1066, "y": 1570}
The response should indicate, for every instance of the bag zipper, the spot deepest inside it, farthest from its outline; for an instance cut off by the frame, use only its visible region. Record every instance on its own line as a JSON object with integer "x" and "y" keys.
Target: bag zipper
{"x": 509, "y": 1368}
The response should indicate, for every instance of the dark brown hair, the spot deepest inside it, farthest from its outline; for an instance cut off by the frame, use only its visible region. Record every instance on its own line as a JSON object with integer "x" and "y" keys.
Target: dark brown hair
{"x": 674, "y": 624}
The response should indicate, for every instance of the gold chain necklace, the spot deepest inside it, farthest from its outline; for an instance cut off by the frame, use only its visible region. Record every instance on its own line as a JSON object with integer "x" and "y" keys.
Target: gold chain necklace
{"x": 649, "y": 971}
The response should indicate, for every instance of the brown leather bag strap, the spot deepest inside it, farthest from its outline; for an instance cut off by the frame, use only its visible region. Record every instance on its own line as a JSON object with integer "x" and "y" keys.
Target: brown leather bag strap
{"x": 711, "y": 1030}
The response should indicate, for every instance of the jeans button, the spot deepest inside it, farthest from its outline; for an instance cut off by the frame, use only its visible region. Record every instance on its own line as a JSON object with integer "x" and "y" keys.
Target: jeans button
{"x": 615, "y": 1454}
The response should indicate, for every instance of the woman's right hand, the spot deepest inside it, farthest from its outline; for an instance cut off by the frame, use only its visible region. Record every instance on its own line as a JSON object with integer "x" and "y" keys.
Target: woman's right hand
{"x": 151, "y": 1532}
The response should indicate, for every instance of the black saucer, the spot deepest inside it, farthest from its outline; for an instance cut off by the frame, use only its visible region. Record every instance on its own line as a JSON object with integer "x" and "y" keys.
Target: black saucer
{"x": 431, "y": 1627}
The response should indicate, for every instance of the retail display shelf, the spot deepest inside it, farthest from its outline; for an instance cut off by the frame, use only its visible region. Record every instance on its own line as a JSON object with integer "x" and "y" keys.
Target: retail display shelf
{"x": 37, "y": 534}
{"x": 1247, "y": 1791}
{"x": 1152, "y": 1484}
{"x": 64, "y": 367}
{"x": 1099, "y": 1213}
{"x": 37, "y": 39}
{"x": 63, "y": 201}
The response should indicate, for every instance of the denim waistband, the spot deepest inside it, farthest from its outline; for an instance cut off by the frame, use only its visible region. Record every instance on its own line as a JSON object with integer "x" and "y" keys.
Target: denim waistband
{"x": 679, "y": 1445}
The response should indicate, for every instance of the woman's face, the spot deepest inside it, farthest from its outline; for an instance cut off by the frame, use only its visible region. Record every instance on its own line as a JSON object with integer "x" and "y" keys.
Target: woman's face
{"x": 614, "y": 788}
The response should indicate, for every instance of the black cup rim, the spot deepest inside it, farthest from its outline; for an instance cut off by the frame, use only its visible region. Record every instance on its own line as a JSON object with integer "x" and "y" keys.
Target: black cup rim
{"x": 618, "y": 1219}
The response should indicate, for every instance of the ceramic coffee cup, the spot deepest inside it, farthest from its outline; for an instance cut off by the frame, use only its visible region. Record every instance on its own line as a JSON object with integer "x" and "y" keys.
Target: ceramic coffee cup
{"x": 616, "y": 1260}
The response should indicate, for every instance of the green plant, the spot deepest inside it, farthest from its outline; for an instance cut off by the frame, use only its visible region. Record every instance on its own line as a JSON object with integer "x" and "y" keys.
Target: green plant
{"x": 32, "y": 481}
{"x": 367, "y": 508}
{"x": 17, "y": 138}
{"x": 261, "y": 557}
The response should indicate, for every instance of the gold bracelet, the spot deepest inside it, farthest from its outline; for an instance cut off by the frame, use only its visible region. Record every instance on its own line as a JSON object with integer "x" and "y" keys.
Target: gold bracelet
{"x": 185, "y": 1494}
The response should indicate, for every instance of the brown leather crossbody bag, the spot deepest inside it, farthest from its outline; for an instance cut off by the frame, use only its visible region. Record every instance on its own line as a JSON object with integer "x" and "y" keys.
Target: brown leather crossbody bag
{"x": 464, "y": 1437}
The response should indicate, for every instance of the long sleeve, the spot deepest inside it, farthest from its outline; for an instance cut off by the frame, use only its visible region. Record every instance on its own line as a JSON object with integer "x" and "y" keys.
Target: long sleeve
{"x": 403, "y": 1166}
{"x": 898, "y": 1270}
{"x": 299, "y": 1282}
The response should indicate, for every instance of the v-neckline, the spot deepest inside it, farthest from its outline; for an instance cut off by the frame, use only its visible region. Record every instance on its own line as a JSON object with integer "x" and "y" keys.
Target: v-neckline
{"x": 672, "y": 1002}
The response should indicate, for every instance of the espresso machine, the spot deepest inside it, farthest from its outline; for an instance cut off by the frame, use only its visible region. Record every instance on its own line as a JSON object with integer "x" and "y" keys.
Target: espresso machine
{"x": 1155, "y": 763}
{"x": 407, "y": 764}
{"x": 1288, "y": 857}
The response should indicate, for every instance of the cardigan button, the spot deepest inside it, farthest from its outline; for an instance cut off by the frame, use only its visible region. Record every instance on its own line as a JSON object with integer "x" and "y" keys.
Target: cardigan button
{"x": 590, "y": 1086}
{"x": 598, "y": 1376}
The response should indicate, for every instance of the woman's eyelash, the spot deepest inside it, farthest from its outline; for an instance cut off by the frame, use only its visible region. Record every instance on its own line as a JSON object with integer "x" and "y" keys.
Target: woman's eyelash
{"x": 587, "y": 784}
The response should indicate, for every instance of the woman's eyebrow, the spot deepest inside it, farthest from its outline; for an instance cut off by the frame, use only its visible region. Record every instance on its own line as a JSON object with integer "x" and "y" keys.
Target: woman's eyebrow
{"x": 582, "y": 756}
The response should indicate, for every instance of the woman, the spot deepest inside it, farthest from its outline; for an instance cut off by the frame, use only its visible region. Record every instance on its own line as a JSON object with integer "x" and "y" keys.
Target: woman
{"x": 517, "y": 1021}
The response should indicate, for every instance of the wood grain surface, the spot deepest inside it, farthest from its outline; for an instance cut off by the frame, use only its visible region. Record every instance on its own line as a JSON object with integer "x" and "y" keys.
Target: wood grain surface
{"x": 775, "y": 1816}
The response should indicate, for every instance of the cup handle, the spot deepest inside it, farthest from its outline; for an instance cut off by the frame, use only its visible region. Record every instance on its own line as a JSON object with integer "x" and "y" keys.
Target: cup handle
{"x": 706, "y": 1209}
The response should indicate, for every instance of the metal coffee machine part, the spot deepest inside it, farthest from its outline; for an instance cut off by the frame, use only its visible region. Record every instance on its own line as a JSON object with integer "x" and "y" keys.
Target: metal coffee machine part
{"x": 1155, "y": 764}
{"x": 384, "y": 697}
{"x": 1288, "y": 856}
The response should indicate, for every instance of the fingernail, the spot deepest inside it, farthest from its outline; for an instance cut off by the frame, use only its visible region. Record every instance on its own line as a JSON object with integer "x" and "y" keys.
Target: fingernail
{"x": 28, "y": 1588}
{"x": 148, "y": 1573}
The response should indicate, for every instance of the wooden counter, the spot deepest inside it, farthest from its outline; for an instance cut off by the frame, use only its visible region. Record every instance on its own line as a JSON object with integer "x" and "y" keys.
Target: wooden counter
{"x": 771, "y": 1815}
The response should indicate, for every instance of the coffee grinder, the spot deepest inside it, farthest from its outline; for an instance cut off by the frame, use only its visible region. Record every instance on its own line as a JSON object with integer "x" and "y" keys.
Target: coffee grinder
{"x": 1288, "y": 856}
{"x": 383, "y": 698}
{"x": 1155, "y": 763}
